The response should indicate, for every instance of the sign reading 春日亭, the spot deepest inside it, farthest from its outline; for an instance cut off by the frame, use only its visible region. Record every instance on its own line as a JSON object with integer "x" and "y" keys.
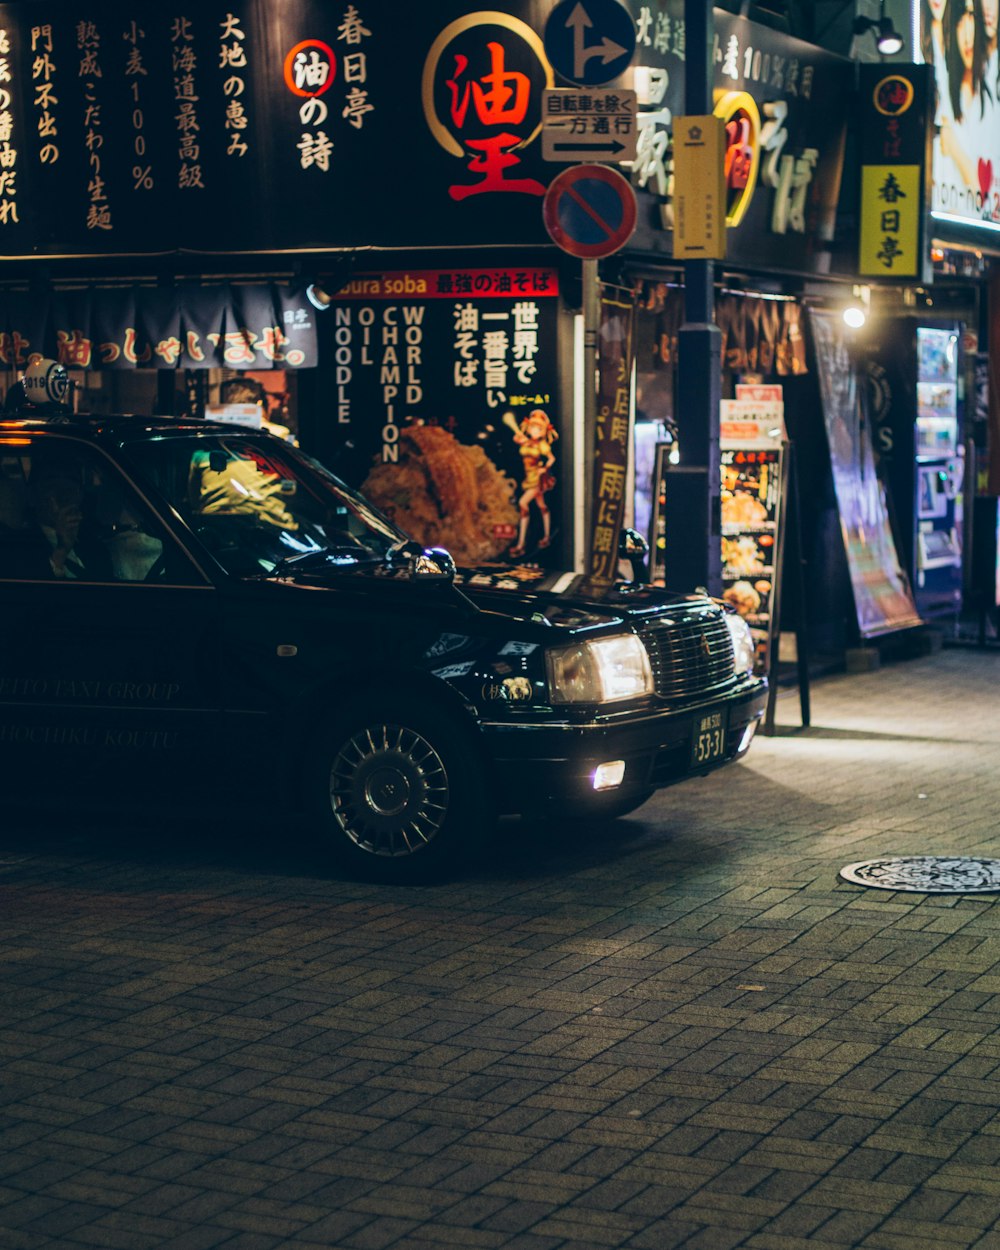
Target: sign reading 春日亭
{"x": 895, "y": 144}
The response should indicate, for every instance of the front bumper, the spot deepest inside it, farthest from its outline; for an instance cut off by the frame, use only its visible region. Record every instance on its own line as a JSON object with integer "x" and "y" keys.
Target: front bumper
{"x": 537, "y": 765}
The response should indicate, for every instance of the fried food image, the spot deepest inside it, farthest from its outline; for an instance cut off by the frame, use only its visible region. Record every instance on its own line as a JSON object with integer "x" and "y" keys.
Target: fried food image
{"x": 743, "y": 597}
{"x": 740, "y": 508}
{"x": 741, "y": 556}
{"x": 444, "y": 493}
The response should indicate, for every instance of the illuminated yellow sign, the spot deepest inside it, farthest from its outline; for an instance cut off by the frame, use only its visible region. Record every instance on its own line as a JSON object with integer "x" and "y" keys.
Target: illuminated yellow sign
{"x": 699, "y": 188}
{"x": 891, "y": 205}
{"x": 741, "y": 121}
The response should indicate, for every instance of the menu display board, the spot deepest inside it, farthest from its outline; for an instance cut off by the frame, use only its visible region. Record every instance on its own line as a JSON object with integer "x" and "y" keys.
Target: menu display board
{"x": 446, "y": 408}
{"x": 752, "y": 462}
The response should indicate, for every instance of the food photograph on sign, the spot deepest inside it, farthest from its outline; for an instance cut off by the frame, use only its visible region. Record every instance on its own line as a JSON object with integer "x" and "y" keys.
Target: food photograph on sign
{"x": 959, "y": 38}
{"x": 464, "y": 450}
{"x": 751, "y": 484}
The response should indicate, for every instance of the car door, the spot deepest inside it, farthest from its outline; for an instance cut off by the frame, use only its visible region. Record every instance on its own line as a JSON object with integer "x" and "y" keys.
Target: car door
{"x": 108, "y": 637}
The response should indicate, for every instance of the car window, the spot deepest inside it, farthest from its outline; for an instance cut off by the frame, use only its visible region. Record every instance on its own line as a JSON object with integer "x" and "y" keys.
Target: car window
{"x": 255, "y": 503}
{"x": 67, "y": 515}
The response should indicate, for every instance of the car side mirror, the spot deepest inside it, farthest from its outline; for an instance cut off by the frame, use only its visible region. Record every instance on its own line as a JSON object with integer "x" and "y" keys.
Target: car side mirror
{"x": 634, "y": 548}
{"x": 422, "y": 562}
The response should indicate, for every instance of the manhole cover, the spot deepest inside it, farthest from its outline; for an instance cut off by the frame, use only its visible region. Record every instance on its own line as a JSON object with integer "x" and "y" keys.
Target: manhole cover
{"x": 927, "y": 874}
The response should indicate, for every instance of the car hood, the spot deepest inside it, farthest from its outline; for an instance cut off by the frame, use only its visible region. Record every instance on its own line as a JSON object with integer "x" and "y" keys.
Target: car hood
{"x": 565, "y": 599}
{"x": 526, "y": 592}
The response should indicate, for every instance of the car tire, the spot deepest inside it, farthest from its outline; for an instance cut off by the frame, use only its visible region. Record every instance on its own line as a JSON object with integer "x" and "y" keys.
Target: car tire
{"x": 398, "y": 791}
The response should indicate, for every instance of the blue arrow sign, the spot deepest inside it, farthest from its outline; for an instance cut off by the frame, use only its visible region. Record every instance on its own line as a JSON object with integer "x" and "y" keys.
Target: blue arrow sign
{"x": 589, "y": 42}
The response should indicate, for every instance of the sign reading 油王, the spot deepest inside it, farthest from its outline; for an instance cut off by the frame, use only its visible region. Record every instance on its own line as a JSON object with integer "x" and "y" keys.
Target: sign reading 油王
{"x": 895, "y": 143}
{"x": 254, "y": 126}
{"x": 445, "y": 405}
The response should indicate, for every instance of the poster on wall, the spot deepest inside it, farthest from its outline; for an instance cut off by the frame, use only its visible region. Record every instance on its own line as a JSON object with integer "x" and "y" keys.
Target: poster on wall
{"x": 883, "y": 598}
{"x": 960, "y": 41}
{"x": 446, "y": 409}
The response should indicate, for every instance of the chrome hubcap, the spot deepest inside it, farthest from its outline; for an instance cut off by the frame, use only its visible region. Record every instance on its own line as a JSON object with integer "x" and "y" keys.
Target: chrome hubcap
{"x": 389, "y": 790}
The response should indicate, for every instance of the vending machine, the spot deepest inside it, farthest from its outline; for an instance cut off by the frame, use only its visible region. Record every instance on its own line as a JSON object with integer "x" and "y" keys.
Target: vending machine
{"x": 915, "y": 404}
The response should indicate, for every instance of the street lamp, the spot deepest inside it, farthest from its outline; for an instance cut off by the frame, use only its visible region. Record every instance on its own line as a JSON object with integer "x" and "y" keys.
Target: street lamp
{"x": 888, "y": 40}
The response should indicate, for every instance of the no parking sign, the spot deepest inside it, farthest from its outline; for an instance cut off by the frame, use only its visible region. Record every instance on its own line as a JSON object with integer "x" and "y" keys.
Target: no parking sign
{"x": 589, "y": 211}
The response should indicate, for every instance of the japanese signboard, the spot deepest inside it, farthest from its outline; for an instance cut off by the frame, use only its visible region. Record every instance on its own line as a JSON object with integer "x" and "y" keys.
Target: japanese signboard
{"x": 781, "y": 103}
{"x": 458, "y": 444}
{"x": 251, "y": 126}
{"x": 751, "y": 445}
{"x": 254, "y": 126}
{"x": 959, "y": 42}
{"x": 251, "y": 326}
{"x": 615, "y": 359}
{"x": 895, "y": 145}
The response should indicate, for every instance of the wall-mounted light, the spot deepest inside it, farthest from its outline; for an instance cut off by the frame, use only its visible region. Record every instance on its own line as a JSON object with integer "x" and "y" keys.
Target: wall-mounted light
{"x": 888, "y": 40}
{"x": 856, "y": 312}
{"x": 318, "y": 296}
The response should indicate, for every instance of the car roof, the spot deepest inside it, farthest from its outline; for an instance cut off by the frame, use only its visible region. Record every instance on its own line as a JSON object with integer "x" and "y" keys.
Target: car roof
{"x": 116, "y": 427}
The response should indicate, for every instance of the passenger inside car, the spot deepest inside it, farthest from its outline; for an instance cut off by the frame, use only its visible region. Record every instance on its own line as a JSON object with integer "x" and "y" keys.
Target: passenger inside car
{"x": 66, "y": 545}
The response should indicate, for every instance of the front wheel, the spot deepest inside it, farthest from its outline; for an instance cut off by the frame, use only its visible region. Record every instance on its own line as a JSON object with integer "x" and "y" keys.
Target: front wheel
{"x": 398, "y": 792}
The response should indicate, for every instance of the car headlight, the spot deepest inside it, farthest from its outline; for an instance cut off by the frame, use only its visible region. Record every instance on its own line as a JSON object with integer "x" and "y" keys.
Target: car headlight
{"x": 602, "y": 670}
{"x": 744, "y": 651}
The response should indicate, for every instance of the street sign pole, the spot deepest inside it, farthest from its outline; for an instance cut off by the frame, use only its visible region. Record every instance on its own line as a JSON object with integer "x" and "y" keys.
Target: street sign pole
{"x": 692, "y": 506}
{"x": 590, "y": 299}
{"x": 589, "y": 211}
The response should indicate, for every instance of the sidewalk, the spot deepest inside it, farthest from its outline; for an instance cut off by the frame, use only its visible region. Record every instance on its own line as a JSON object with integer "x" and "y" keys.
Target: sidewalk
{"x": 686, "y": 1032}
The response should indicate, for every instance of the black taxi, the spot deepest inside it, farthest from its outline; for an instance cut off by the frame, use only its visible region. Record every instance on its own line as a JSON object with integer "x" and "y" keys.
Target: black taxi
{"x": 201, "y": 613}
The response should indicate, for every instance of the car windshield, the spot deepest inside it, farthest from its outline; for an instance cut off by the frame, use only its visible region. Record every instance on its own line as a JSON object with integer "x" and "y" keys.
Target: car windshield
{"x": 257, "y": 504}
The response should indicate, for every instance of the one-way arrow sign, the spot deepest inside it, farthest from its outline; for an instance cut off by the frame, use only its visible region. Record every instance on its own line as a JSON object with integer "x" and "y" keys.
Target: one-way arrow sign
{"x": 580, "y": 124}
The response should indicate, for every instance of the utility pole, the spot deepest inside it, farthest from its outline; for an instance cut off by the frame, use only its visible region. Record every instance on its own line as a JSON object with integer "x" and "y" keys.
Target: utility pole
{"x": 692, "y": 506}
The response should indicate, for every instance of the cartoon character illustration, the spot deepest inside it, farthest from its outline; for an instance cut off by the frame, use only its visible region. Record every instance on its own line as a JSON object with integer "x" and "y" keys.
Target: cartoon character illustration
{"x": 534, "y": 436}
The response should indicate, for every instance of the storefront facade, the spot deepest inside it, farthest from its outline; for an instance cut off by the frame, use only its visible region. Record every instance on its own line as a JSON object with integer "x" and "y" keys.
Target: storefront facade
{"x": 341, "y": 206}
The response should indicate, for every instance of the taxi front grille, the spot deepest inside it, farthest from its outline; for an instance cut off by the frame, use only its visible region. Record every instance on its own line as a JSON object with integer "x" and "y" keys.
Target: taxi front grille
{"x": 690, "y": 652}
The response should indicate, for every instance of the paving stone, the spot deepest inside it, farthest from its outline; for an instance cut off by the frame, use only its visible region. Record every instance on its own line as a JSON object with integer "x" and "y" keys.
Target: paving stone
{"x": 685, "y": 1032}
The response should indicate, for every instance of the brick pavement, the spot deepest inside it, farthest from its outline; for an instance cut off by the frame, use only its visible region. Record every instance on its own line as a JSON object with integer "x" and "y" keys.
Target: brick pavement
{"x": 685, "y": 1033}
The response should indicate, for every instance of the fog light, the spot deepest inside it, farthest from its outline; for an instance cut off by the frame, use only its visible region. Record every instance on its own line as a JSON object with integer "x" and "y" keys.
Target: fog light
{"x": 748, "y": 734}
{"x": 608, "y": 776}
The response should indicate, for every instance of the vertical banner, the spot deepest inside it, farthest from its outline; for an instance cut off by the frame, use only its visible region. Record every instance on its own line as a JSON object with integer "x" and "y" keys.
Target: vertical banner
{"x": 993, "y": 367}
{"x": 883, "y": 599}
{"x": 895, "y": 155}
{"x": 615, "y": 356}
